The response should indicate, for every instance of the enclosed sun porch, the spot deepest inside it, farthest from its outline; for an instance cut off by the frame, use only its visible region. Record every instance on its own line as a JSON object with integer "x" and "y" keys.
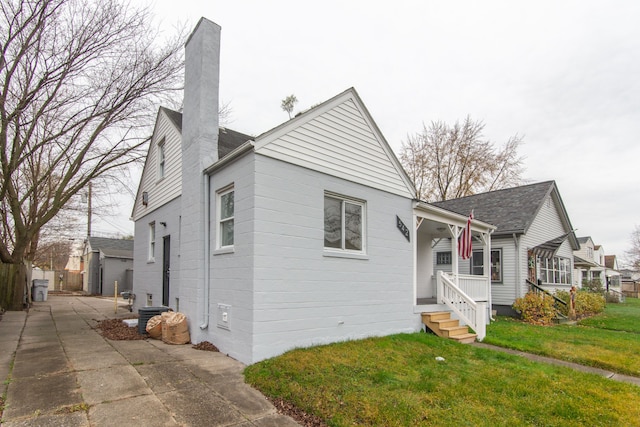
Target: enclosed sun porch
{"x": 443, "y": 280}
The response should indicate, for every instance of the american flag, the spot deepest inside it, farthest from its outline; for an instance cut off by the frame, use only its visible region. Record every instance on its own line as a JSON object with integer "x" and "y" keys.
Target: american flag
{"x": 464, "y": 243}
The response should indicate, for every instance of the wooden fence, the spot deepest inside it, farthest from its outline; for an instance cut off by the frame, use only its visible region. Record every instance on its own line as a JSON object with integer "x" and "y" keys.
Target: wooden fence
{"x": 13, "y": 286}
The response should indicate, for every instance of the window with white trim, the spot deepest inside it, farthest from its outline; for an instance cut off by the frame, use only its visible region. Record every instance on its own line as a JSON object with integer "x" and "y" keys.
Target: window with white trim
{"x": 152, "y": 241}
{"x": 555, "y": 270}
{"x": 443, "y": 258}
{"x": 161, "y": 159}
{"x": 344, "y": 224}
{"x": 477, "y": 264}
{"x": 226, "y": 212}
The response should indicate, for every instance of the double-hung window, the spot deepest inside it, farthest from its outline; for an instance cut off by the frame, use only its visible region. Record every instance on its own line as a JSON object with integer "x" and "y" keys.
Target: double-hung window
{"x": 344, "y": 224}
{"x": 152, "y": 242}
{"x": 226, "y": 211}
{"x": 477, "y": 264}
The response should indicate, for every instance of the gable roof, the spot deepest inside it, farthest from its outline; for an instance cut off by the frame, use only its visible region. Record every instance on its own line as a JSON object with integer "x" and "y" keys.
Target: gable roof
{"x": 114, "y": 248}
{"x": 228, "y": 139}
{"x": 610, "y": 261}
{"x": 340, "y": 138}
{"x": 511, "y": 210}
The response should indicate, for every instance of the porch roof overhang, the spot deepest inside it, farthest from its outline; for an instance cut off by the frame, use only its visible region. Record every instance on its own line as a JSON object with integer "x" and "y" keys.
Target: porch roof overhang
{"x": 580, "y": 262}
{"x": 549, "y": 248}
{"x": 433, "y": 213}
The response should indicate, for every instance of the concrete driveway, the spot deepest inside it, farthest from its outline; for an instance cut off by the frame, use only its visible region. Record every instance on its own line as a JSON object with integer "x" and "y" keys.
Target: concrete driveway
{"x": 62, "y": 372}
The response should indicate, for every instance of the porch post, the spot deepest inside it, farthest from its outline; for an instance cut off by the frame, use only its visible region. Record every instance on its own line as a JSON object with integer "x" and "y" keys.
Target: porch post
{"x": 486, "y": 237}
{"x": 454, "y": 230}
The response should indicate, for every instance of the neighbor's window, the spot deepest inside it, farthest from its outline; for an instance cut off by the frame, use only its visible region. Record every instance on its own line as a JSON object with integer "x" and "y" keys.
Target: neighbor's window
{"x": 161, "y": 159}
{"x": 477, "y": 263}
{"x": 225, "y": 217}
{"x": 343, "y": 224}
{"x": 152, "y": 241}
{"x": 443, "y": 258}
{"x": 555, "y": 270}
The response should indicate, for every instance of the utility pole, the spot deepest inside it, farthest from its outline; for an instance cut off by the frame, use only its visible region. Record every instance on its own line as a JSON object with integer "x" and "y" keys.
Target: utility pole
{"x": 89, "y": 212}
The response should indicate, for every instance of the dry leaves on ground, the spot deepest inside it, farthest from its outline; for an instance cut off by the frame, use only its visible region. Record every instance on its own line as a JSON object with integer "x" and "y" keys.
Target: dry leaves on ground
{"x": 206, "y": 346}
{"x": 297, "y": 414}
{"x": 117, "y": 330}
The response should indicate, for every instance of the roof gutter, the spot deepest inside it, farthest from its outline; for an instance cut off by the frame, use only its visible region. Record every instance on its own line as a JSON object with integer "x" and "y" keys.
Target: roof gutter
{"x": 229, "y": 158}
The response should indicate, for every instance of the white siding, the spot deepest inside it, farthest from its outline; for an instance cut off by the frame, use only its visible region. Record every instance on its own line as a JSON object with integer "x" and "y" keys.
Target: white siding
{"x": 504, "y": 293}
{"x": 341, "y": 142}
{"x": 546, "y": 226}
{"x": 160, "y": 190}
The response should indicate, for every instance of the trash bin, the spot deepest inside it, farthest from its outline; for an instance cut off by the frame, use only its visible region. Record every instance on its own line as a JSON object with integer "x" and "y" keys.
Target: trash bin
{"x": 40, "y": 290}
{"x": 146, "y": 313}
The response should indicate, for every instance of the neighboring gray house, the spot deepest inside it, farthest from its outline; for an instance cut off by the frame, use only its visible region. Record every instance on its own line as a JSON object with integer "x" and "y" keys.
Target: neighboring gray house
{"x": 303, "y": 235}
{"x": 534, "y": 240}
{"x": 105, "y": 262}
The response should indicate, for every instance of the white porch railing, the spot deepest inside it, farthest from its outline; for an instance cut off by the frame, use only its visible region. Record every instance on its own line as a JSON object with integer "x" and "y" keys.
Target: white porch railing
{"x": 475, "y": 287}
{"x": 472, "y": 313}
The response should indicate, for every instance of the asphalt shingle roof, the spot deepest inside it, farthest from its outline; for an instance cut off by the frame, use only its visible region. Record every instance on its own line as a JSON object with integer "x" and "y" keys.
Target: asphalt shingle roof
{"x": 228, "y": 139}
{"x": 116, "y": 248}
{"x": 511, "y": 210}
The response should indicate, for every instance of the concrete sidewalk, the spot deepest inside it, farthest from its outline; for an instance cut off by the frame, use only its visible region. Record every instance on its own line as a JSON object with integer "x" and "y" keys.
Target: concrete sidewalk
{"x": 575, "y": 366}
{"x": 66, "y": 374}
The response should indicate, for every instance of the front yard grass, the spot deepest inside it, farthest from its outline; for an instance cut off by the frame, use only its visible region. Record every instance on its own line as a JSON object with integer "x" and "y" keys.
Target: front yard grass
{"x": 397, "y": 381}
{"x": 618, "y": 317}
{"x": 610, "y": 340}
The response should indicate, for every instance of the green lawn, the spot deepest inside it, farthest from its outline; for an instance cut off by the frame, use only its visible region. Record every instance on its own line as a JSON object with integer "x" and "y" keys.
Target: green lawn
{"x": 618, "y": 317}
{"x": 397, "y": 381}
{"x": 610, "y": 340}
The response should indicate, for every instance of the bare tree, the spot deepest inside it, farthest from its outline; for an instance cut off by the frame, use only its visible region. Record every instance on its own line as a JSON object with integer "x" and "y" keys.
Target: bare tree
{"x": 80, "y": 83}
{"x": 632, "y": 256}
{"x": 288, "y": 103}
{"x": 447, "y": 162}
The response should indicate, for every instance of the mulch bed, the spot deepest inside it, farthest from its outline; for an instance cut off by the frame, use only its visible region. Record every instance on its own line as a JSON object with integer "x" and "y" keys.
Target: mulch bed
{"x": 115, "y": 329}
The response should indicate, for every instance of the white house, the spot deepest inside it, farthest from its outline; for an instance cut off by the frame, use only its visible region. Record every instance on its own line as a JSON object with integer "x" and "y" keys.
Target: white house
{"x": 588, "y": 262}
{"x": 533, "y": 242}
{"x": 305, "y": 234}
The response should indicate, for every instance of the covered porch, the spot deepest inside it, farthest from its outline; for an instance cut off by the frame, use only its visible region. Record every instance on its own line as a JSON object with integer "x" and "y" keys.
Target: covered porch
{"x": 443, "y": 281}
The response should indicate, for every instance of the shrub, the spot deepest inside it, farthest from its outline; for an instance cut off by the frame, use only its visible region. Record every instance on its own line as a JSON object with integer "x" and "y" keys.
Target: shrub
{"x": 594, "y": 286}
{"x": 587, "y": 303}
{"x": 536, "y": 308}
{"x": 566, "y": 297}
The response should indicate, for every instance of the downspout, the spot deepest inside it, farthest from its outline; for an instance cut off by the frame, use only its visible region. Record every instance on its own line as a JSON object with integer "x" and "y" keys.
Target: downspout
{"x": 516, "y": 241}
{"x": 207, "y": 258}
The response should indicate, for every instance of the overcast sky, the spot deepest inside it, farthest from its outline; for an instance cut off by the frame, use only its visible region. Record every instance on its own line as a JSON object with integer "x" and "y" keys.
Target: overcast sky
{"x": 564, "y": 74}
